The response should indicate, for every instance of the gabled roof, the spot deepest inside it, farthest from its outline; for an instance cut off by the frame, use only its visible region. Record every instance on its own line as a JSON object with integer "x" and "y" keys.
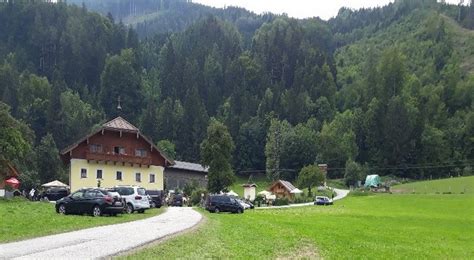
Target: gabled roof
{"x": 286, "y": 184}
{"x": 195, "y": 167}
{"x": 118, "y": 124}
{"x": 246, "y": 185}
{"x": 10, "y": 169}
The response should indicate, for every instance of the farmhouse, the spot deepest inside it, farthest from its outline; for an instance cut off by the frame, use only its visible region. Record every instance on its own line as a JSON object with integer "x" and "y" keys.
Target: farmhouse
{"x": 115, "y": 154}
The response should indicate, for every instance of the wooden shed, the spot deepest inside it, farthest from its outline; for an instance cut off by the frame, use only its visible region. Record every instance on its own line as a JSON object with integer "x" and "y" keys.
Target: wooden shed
{"x": 282, "y": 189}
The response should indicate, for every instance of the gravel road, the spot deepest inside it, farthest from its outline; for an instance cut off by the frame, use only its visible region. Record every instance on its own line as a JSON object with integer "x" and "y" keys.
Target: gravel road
{"x": 102, "y": 241}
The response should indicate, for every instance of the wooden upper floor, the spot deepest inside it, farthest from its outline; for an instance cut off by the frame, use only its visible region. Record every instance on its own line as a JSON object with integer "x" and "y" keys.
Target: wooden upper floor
{"x": 117, "y": 142}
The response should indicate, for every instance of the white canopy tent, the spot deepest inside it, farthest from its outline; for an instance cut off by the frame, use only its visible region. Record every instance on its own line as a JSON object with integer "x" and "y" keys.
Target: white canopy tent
{"x": 55, "y": 183}
{"x": 232, "y": 193}
{"x": 265, "y": 193}
{"x": 296, "y": 191}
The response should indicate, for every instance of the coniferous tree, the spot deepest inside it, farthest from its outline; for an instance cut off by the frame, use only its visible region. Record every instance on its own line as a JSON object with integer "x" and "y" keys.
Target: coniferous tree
{"x": 216, "y": 152}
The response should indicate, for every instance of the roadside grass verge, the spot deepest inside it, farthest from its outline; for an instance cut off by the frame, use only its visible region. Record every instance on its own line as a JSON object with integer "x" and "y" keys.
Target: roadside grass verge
{"x": 22, "y": 219}
{"x": 369, "y": 227}
{"x": 456, "y": 185}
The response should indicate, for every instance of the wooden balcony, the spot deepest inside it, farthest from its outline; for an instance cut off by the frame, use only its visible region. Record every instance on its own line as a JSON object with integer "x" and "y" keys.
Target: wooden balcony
{"x": 118, "y": 158}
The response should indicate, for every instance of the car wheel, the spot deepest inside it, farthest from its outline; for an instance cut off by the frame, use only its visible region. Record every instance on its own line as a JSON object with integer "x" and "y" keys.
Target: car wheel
{"x": 239, "y": 211}
{"x": 216, "y": 210}
{"x": 96, "y": 211}
{"x": 62, "y": 209}
{"x": 129, "y": 208}
{"x": 153, "y": 205}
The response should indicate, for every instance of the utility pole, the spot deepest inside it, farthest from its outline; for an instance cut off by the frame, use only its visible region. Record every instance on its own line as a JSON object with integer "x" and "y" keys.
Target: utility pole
{"x": 461, "y": 2}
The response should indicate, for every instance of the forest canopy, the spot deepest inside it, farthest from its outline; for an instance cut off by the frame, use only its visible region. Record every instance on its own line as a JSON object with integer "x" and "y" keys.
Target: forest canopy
{"x": 388, "y": 89}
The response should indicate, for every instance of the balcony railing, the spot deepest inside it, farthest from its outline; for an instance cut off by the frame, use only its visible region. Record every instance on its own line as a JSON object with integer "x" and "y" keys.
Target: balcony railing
{"x": 120, "y": 158}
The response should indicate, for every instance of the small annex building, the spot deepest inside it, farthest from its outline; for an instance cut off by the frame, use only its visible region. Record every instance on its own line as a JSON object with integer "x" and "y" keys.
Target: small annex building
{"x": 115, "y": 154}
{"x": 282, "y": 189}
{"x": 8, "y": 177}
{"x": 249, "y": 191}
{"x": 181, "y": 173}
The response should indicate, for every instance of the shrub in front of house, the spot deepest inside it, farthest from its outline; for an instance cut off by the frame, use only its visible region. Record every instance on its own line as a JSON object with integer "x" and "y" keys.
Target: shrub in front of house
{"x": 281, "y": 202}
{"x": 196, "y": 196}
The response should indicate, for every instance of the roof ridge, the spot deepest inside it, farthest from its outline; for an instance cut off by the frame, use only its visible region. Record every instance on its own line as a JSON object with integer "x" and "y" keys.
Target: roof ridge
{"x": 121, "y": 124}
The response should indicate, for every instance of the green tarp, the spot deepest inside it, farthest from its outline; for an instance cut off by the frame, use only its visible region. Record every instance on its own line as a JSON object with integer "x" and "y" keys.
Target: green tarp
{"x": 372, "y": 181}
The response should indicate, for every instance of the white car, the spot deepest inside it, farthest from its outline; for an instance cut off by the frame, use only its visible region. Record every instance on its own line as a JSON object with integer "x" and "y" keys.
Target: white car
{"x": 245, "y": 204}
{"x": 135, "y": 198}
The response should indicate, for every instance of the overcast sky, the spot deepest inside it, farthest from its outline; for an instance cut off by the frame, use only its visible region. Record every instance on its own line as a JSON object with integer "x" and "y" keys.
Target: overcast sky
{"x": 299, "y": 8}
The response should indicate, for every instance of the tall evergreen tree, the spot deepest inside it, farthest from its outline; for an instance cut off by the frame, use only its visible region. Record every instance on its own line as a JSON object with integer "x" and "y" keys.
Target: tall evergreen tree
{"x": 216, "y": 152}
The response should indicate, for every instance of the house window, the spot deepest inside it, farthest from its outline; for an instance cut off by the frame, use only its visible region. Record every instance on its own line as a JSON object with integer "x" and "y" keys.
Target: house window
{"x": 119, "y": 175}
{"x": 138, "y": 177}
{"x": 83, "y": 173}
{"x": 96, "y": 148}
{"x": 152, "y": 178}
{"x": 119, "y": 150}
{"x": 140, "y": 152}
{"x": 99, "y": 174}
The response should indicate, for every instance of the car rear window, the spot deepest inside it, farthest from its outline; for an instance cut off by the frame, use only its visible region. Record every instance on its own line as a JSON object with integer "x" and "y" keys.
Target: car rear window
{"x": 125, "y": 191}
{"x": 141, "y": 191}
{"x": 153, "y": 192}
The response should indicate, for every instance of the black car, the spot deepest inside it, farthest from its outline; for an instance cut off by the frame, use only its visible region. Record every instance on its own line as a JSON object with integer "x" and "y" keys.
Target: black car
{"x": 223, "y": 203}
{"x": 156, "y": 198}
{"x": 54, "y": 193}
{"x": 94, "y": 201}
{"x": 176, "y": 200}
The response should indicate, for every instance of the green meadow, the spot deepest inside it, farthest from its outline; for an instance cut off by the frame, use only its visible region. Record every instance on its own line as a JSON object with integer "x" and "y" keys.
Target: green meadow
{"x": 458, "y": 185}
{"x": 22, "y": 219}
{"x": 378, "y": 226}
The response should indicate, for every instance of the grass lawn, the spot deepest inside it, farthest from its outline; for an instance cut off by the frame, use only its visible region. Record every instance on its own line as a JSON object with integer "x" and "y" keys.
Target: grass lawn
{"x": 454, "y": 185}
{"x": 21, "y": 219}
{"x": 379, "y": 226}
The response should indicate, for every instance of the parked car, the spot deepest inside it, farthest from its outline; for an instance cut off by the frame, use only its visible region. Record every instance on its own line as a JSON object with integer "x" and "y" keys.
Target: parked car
{"x": 176, "y": 200}
{"x": 135, "y": 198}
{"x": 245, "y": 204}
{"x": 156, "y": 198}
{"x": 94, "y": 201}
{"x": 322, "y": 200}
{"x": 54, "y": 193}
{"x": 223, "y": 203}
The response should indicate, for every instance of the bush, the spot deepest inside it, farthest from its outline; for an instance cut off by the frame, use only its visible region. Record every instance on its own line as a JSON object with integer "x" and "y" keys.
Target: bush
{"x": 196, "y": 196}
{"x": 281, "y": 202}
{"x": 303, "y": 199}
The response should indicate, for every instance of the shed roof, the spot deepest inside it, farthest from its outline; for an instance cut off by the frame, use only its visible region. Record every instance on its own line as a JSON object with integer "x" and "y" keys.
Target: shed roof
{"x": 286, "y": 184}
{"x": 195, "y": 167}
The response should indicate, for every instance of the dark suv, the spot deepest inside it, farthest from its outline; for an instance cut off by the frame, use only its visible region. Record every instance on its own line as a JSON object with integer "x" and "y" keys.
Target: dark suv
{"x": 223, "y": 203}
{"x": 176, "y": 200}
{"x": 54, "y": 193}
{"x": 156, "y": 198}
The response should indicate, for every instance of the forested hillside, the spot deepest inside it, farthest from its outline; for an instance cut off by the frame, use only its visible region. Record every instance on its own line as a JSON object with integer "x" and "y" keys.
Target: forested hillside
{"x": 390, "y": 88}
